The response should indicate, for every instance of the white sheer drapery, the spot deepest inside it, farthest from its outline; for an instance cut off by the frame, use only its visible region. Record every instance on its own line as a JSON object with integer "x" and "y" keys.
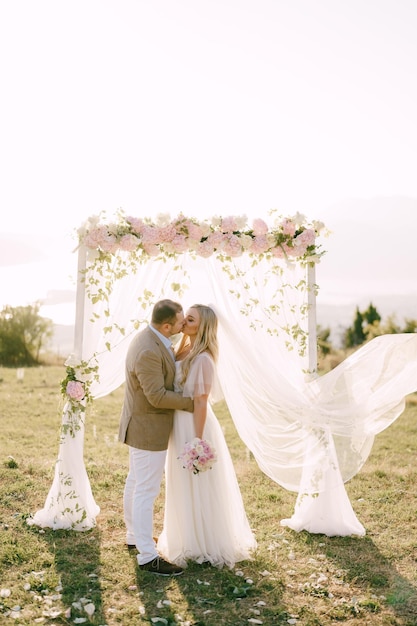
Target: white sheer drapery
{"x": 308, "y": 434}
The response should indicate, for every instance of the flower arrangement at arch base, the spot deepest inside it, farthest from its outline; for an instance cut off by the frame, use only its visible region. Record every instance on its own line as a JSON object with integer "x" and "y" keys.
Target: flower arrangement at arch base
{"x": 75, "y": 389}
{"x": 198, "y": 455}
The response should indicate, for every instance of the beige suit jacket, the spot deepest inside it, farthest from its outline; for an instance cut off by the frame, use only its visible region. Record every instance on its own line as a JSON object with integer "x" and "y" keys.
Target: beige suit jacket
{"x": 149, "y": 401}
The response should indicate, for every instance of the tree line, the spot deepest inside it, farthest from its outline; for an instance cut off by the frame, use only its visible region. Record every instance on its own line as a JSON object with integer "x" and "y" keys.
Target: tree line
{"x": 366, "y": 325}
{"x": 24, "y": 333}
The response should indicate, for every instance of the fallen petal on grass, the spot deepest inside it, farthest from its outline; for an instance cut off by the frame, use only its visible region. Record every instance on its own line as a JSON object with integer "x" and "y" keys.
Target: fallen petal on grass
{"x": 52, "y": 613}
{"x": 89, "y": 609}
{"x": 55, "y": 596}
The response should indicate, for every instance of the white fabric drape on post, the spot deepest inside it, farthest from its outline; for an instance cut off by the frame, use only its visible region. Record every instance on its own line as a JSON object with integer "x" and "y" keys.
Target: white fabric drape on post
{"x": 70, "y": 503}
{"x": 308, "y": 434}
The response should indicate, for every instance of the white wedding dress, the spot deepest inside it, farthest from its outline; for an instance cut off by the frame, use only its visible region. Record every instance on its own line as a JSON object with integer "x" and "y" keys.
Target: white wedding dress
{"x": 205, "y": 519}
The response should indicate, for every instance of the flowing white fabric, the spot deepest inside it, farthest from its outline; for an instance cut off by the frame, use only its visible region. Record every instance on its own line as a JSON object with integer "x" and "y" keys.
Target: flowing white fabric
{"x": 309, "y": 436}
{"x": 204, "y": 518}
{"x": 313, "y": 437}
{"x": 70, "y": 503}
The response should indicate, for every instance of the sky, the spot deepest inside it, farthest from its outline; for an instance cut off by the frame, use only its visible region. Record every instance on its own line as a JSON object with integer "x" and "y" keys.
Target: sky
{"x": 209, "y": 107}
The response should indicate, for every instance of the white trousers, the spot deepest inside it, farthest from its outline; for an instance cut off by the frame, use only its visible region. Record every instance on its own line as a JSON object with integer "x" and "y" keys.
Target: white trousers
{"x": 143, "y": 484}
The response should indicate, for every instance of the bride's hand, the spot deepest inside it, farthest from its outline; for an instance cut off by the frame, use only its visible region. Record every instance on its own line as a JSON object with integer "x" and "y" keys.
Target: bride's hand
{"x": 183, "y": 348}
{"x": 182, "y": 353}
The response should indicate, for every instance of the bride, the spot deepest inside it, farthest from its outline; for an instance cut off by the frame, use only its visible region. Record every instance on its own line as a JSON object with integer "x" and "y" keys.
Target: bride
{"x": 205, "y": 519}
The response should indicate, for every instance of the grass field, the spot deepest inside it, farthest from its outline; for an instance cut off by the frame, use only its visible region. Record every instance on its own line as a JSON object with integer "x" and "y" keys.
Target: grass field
{"x": 64, "y": 577}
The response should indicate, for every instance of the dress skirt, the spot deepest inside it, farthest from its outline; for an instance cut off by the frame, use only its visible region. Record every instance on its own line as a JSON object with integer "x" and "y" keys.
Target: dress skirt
{"x": 204, "y": 519}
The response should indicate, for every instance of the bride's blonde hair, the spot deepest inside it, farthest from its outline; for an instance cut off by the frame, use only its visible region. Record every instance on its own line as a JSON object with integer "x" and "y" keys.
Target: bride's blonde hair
{"x": 205, "y": 340}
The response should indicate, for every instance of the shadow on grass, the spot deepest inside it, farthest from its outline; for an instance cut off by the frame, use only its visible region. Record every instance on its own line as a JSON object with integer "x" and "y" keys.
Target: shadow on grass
{"x": 364, "y": 566}
{"x": 77, "y": 562}
{"x": 210, "y": 596}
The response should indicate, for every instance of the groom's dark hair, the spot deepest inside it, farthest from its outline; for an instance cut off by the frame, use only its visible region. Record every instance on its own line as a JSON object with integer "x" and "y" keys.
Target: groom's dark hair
{"x": 165, "y": 312}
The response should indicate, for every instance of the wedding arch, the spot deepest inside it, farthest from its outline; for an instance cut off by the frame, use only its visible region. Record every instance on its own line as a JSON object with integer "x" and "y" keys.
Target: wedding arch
{"x": 308, "y": 433}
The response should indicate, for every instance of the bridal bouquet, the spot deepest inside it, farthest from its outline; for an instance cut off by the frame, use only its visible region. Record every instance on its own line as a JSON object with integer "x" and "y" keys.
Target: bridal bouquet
{"x": 198, "y": 455}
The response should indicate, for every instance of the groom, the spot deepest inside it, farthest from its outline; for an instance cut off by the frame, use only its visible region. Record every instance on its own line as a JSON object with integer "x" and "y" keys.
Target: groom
{"x": 145, "y": 426}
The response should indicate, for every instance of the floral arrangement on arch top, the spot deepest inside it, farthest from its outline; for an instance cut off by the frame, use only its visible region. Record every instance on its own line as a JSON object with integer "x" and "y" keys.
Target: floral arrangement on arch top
{"x": 289, "y": 237}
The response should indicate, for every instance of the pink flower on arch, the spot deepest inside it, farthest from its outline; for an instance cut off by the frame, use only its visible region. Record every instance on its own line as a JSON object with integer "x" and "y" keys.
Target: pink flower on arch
{"x": 217, "y": 240}
{"x": 205, "y": 249}
{"x": 260, "y": 244}
{"x": 229, "y": 224}
{"x": 75, "y": 390}
{"x": 151, "y": 249}
{"x": 278, "y": 252}
{"x": 136, "y": 223}
{"x": 150, "y": 235}
{"x": 109, "y": 243}
{"x": 288, "y": 227}
{"x": 195, "y": 231}
{"x": 94, "y": 238}
{"x": 259, "y": 227}
{"x": 292, "y": 250}
{"x": 129, "y": 243}
{"x": 167, "y": 233}
{"x": 305, "y": 239}
{"x": 233, "y": 246}
{"x": 179, "y": 243}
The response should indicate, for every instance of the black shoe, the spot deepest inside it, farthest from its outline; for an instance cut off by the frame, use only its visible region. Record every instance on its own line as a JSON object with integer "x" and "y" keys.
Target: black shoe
{"x": 161, "y": 567}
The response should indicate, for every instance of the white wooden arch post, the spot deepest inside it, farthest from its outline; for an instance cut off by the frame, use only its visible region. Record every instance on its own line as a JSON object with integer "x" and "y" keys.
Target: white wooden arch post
{"x": 80, "y": 303}
{"x": 70, "y": 504}
{"x": 312, "y": 319}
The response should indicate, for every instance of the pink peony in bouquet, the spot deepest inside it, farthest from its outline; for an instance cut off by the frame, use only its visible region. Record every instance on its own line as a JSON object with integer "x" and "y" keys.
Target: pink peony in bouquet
{"x": 198, "y": 455}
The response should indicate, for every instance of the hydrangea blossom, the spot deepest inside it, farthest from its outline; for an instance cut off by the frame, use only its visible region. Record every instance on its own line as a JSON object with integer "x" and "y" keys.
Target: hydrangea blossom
{"x": 75, "y": 390}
